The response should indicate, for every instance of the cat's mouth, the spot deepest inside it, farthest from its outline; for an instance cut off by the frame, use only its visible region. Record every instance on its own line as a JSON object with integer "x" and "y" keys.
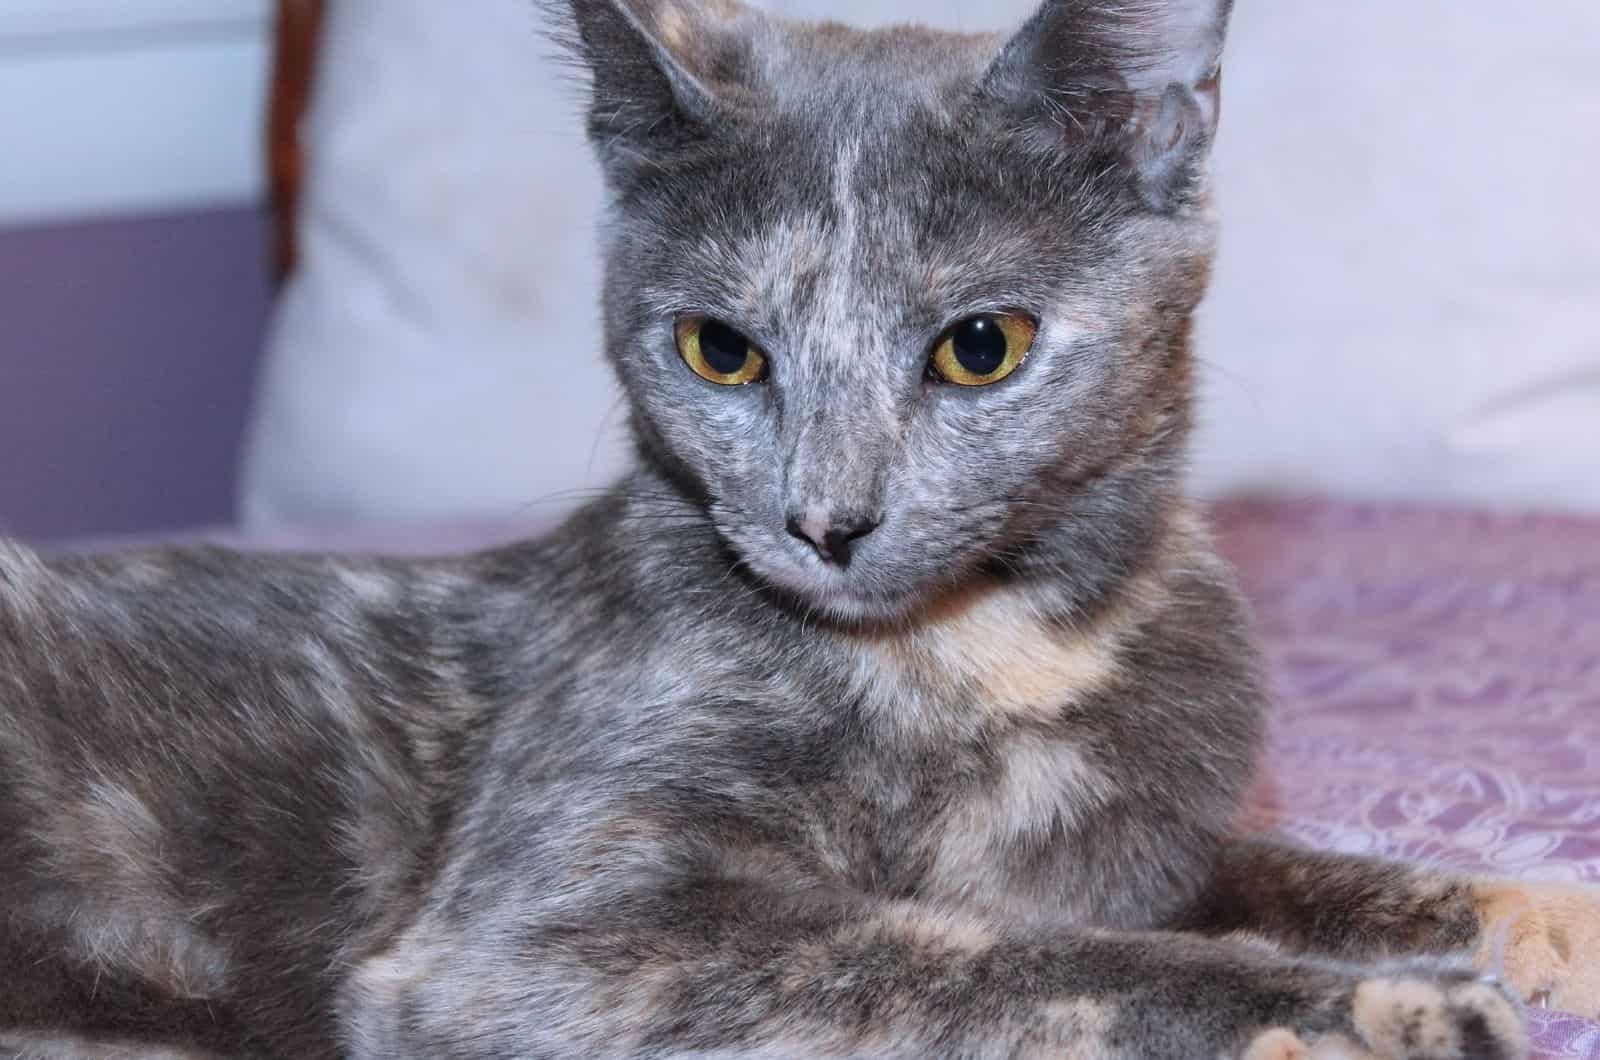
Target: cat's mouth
{"x": 818, "y": 591}
{"x": 872, "y": 586}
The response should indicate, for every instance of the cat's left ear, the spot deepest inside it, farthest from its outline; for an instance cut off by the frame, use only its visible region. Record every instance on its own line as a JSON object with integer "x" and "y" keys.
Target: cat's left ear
{"x": 664, "y": 71}
{"x": 1143, "y": 77}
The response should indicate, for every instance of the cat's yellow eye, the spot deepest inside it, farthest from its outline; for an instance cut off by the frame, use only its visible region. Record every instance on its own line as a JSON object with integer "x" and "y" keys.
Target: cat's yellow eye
{"x": 983, "y": 349}
{"x": 717, "y": 353}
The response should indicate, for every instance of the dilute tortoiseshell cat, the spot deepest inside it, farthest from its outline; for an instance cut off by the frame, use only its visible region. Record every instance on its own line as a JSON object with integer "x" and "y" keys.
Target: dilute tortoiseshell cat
{"x": 895, "y": 706}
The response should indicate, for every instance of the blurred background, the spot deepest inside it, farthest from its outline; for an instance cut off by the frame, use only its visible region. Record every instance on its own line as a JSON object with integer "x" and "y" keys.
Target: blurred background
{"x": 1407, "y": 305}
{"x": 134, "y": 288}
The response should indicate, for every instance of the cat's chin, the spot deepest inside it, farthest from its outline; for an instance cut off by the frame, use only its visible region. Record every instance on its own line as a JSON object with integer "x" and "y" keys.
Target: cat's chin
{"x": 851, "y": 609}
{"x": 833, "y": 598}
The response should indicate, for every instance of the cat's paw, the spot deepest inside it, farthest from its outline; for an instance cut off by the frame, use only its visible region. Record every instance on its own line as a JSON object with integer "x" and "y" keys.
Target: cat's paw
{"x": 1544, "y": 940}
{"x": 1404, "y": 1016}
{"x": 1453, "y": 1016}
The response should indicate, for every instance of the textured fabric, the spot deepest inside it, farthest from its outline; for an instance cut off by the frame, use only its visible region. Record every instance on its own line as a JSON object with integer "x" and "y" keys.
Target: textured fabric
{"x": 1438, "y": 684}
{"x": 1438, "y": 681}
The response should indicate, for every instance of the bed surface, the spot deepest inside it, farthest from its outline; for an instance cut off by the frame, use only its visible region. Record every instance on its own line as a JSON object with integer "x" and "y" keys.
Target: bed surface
{"x": 1437, "y": 675}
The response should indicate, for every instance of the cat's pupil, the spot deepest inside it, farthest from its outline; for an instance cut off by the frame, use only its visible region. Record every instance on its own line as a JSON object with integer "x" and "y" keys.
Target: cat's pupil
{"x": 980, "y": 345}
{"x": 724, "y": 349}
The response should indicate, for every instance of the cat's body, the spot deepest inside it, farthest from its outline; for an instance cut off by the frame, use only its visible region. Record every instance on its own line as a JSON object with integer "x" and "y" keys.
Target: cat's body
{"x": 872, "y": 716}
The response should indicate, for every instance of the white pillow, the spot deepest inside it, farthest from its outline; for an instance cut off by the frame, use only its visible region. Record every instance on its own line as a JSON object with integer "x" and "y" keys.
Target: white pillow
{"x": 437, "y": 353}
{"x": 1407, "y": 303}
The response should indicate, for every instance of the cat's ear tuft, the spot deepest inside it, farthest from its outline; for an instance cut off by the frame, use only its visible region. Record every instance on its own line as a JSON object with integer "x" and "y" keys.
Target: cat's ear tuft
{"x": 1142, "y": 76}
{"x": 661, "y": 70}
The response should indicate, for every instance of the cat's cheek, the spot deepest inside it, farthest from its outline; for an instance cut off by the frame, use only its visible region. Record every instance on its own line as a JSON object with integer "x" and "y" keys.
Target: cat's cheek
{"x": 780, "y": 564}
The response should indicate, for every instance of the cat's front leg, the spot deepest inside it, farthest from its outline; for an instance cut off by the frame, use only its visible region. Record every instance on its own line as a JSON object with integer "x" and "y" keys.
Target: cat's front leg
{"x": 1544, "y": 939}
{"x": 739, "y": 971}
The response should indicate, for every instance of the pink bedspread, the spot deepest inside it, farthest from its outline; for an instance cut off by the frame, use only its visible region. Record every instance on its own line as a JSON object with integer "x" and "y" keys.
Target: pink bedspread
{"x": 1438, "y": 681}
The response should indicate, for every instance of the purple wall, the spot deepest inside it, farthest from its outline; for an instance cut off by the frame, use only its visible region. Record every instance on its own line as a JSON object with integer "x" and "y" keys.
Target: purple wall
{"x": 127, "y": 353}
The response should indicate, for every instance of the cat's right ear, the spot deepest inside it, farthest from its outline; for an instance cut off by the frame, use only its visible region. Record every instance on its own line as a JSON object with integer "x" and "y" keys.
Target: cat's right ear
{"x": 663, "y": 71}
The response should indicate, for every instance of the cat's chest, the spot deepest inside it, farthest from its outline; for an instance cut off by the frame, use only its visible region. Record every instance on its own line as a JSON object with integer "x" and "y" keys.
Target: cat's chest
{"x": 1000, "y": 827}
{"x": 992, "y": 809}
{"x": 988, "y": 661}
{"x": 1012, "y": 840}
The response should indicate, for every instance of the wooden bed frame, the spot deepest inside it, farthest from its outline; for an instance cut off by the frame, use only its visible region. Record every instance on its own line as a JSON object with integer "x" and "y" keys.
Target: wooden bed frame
{"x": 296, "y": 32}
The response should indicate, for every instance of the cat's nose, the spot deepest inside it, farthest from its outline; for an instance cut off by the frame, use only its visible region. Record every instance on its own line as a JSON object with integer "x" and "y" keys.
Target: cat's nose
{"x": 832, "y": 535}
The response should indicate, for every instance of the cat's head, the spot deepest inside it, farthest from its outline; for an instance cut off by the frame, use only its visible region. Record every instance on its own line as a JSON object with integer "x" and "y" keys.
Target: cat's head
{"x": 902, "y": 305}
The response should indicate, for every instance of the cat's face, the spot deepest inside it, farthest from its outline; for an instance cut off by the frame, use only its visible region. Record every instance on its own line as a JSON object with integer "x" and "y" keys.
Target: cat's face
{"x": 881, "y": 312}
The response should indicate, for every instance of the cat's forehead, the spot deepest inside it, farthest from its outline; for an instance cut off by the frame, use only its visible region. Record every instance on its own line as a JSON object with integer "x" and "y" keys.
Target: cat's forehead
{"x": 904, "y": 222}
{"x": 870, "y": 76}
{"x": 855, "y": 170}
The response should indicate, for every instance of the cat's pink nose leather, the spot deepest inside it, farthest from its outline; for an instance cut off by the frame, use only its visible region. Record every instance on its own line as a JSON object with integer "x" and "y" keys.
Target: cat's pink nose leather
{"x": 831, "y": 536}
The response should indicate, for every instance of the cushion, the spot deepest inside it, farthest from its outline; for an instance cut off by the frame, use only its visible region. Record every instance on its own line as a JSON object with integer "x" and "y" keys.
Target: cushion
{"x": 1407, "y": 302}
{"x": 437, "y": 351}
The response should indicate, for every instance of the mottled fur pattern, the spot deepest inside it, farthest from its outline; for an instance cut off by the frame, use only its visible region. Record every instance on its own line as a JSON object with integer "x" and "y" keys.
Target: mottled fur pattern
{"x": 666, "y": 783}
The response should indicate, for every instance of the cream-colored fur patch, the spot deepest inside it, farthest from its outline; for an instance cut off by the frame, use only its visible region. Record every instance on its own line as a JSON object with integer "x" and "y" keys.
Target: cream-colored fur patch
{"x": 1082, "y": 1025}
{"x": 138, "y": 925}
{"x": 1016, "y": 664}
{"x": 1543, "y": 939}
{"x": 990, "y": 653}
{"x": 1277, "y": 1044}
{"x": 1401, "y": 1018}
{"x": 989, "y": 659}
{"x": 933, "y": 934}
{"x": 672, "y": 27}
{"x": 1385, "y": 1011}
{"x": 1338, "y": 1047}
{"x": 1042, "y": 781}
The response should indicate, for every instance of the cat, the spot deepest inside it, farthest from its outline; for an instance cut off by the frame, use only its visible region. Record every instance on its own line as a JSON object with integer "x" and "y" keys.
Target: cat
{"x": 896, "y": 705}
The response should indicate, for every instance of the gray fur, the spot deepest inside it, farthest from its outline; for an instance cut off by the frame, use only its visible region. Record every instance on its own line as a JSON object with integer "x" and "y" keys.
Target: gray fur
{"x": 667, "y": 784}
